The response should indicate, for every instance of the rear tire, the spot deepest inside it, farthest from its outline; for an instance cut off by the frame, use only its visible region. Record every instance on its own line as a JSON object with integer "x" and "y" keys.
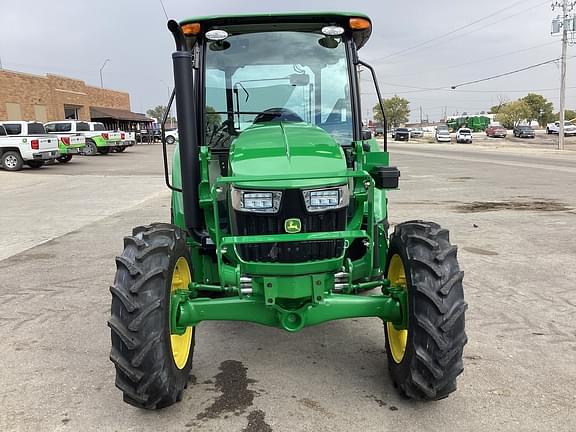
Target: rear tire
{"x": 12, "y": 161}
{"x": 146, "y": 369}
{"x": 120, "y": 149}
{"x": 432, "y": 356}
{"x": 170, "y": 140}
{"x": 104, "y": 150}
{"x": 64, "y": 158}
{"x": 90, "y": 149}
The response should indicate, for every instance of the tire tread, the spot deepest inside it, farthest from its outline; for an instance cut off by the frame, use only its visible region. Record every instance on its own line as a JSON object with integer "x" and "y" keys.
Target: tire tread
{"x": 433, "y": 359}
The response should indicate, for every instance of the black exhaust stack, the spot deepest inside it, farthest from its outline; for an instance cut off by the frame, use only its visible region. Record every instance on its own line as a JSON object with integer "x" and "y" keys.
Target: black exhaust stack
{"x": 185, "y": 75}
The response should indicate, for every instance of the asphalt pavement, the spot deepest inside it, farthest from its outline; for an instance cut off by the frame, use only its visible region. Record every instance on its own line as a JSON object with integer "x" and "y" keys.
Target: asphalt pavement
{"x": 511, "y": 211}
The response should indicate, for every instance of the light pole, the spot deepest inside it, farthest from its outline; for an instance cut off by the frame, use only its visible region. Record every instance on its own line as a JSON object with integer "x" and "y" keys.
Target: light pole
{"x": 169, "y": 112}
{"x": 101, "y": 83}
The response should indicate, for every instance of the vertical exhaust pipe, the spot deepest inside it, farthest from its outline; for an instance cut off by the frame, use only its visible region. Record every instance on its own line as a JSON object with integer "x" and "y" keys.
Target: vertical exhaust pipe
{"x": 184, "y": 80}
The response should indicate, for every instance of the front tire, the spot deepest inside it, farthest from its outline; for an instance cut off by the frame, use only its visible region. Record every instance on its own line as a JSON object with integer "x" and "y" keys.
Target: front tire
{"x": 170, "y": 140}
{"x": 152, "y": 366}
{"x": 425, "y": 359}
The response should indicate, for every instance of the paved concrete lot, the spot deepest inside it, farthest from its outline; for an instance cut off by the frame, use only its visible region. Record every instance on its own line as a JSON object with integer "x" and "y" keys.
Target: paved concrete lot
{"x": 512, "y": 213}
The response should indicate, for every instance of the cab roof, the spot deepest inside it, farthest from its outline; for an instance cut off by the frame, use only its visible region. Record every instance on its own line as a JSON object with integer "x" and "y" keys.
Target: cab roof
{"x": 293, "y": 21}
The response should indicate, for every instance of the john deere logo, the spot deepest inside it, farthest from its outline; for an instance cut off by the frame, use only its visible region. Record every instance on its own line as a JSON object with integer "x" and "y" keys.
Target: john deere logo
{"x": 292, "y": 226}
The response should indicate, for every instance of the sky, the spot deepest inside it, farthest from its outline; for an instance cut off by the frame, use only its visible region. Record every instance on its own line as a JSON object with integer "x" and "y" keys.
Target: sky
{"x": 409, "y": 47}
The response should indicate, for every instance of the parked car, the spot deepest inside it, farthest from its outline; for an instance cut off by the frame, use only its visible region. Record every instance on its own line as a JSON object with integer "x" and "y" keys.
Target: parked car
{"x": 401, "y": 134}
{"x": 523, "y": 131}
{"x": 148, "y": 135}
{"x": 464, "y": 135}
{"x": 114, "y": 139}
{"x": 172, "y": 136}
{"x": 442, "y": 135}
{"x": 554, "y": 128}
{"x": 98, "y": 139}
{"x": 32, "y": 150}
{"x": 128, "y": 140}
{"x": 416, "y": 133}
{"x": 378, "y": 132}
{"x": 68, "y": 144}
{"x": 496, "y": 132}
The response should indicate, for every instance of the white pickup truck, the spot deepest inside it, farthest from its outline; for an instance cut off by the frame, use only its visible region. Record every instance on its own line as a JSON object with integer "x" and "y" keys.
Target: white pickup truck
{"x": 98, "y": 139}
{"x": 113, "y": 139}
{"x": 33, "y": 150}
{"x": 128, "y": 140}
{"x": 68, "y": 143}
{"x": 554, "y": 128}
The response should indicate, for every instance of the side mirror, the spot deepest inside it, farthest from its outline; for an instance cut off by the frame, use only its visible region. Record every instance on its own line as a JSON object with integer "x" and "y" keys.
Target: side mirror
{"x": 366, "y": 135}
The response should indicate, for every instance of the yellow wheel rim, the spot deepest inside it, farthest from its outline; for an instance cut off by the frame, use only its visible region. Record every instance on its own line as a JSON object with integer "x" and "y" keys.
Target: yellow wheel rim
{"x": 181, "y": 278}
{"x": 397, "y": 338}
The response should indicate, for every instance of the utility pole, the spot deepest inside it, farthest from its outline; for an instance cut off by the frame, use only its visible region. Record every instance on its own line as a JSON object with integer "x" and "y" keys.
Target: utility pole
{"x": 420, "y": 115}
{"x": 563, "y": 82}
{"x": 564, "y": 23}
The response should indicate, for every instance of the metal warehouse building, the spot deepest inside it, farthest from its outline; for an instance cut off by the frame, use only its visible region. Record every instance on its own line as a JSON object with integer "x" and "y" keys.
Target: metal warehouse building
{"x": 46, "y": 98}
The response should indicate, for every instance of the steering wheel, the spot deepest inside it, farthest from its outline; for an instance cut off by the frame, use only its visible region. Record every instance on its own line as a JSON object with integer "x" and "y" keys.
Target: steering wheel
{"x": 282, "y": 114}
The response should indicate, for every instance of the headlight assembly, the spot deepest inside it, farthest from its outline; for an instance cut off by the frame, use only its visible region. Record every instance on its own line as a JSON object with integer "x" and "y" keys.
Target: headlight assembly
{"x": 256, "y": 201}
{"x": 326, "y": 199}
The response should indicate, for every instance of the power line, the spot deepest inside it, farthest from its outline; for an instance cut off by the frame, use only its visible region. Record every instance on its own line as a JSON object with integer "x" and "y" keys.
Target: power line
{"x": 506, "y": 73}
{"x": 476, "y": 91}
{"x": 459, "y": 65}
{"x": 440, "y": 88}
{"x": 164, "y": 9}
{"x": 427, "y": 42}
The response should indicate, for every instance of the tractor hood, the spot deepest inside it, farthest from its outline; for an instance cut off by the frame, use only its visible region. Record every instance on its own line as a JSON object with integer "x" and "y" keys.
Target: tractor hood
{"x": 288, "y": 149}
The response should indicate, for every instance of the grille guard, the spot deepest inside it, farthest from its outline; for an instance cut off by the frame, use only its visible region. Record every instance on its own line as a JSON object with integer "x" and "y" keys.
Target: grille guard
{"x": 224, "y": 243}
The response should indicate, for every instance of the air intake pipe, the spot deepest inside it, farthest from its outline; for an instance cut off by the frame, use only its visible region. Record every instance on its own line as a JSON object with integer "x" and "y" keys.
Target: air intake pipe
{"x": 185, "y": 76}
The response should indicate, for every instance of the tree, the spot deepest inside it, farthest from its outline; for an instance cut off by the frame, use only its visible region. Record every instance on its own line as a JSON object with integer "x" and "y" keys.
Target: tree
{"x": 157, "y": 113}
{"x": 568, "y": 115}
{"x": 540, "y": 109}
{"x": 212, "y": 119}
{"x": 501, "y": 102}
{"x": 513, "y": 113}
{"x": 396, "y": 109}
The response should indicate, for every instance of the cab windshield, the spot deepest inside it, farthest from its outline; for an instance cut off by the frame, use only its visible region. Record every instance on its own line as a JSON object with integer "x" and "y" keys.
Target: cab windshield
{"x": 281, "y": 76}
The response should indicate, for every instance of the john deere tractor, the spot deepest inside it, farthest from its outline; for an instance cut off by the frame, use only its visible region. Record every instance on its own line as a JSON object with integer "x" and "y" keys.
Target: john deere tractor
{"x": 279, "y": 212}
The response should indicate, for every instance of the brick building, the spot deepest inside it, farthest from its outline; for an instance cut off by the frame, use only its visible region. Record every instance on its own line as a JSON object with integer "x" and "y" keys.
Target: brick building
{"x": 25, "y": 96}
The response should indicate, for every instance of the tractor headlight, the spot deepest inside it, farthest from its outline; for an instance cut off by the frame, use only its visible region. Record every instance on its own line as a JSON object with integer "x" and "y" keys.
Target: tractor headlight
{"x": 256, "y": 201}
{"x": 326, "y": 199}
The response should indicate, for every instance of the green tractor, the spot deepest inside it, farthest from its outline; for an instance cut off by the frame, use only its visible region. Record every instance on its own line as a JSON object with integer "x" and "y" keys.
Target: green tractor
{"x": 279, "y": 212}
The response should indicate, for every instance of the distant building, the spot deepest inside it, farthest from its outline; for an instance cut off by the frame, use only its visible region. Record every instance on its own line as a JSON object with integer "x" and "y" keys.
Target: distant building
{"x": 46, "y": 98}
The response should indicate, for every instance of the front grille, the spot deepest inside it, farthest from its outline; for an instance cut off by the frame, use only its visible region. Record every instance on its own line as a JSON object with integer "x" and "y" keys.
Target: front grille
{"x": 292, "y": 206}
